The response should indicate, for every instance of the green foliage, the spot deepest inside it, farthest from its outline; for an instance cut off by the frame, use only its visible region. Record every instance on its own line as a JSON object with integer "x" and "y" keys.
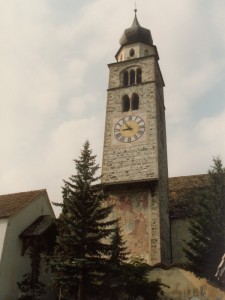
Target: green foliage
{"x": 82, "y": 251}
{"x": 90, "y": 257}
{"x": 128, "y": 279}
{"x": 135, "y": 276}
{"x": 207, "y": 226}
{"x": 31, "y": 289}
{"x": 119, "y": 251}
{"x": 112, "y": 285}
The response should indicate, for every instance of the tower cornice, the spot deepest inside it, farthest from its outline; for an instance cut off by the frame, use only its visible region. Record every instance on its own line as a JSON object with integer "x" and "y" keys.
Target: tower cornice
{"x": 155, "y": 48}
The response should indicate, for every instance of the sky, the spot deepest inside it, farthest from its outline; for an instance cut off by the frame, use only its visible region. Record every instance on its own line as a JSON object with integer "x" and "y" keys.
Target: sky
{"x": 54, "y": 77}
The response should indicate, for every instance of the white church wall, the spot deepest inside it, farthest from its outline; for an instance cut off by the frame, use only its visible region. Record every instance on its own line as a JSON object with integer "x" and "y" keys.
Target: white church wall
{"x": 179, "y": 236}
{"x": 13, "y": 264}
{"x": 3, "y": 226}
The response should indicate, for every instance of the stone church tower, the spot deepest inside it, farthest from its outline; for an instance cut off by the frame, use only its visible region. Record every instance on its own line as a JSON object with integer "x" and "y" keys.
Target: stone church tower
{"x": 134, "y": 170}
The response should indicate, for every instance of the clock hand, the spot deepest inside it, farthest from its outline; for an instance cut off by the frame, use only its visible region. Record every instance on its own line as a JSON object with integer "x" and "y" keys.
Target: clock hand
{"x": 129, "y": 128}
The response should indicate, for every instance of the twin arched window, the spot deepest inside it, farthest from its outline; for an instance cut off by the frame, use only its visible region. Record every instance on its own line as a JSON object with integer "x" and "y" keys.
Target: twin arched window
{"x": 130, "y": 104}
{"x": 132, "y": 77}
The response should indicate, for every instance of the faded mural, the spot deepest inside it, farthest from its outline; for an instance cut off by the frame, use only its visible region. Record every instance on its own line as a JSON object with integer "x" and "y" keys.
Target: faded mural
{"x": 132, "y": 208}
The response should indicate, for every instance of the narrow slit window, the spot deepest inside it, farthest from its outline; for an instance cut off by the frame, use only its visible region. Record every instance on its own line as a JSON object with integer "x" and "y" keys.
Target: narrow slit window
{"x": 125, "y": 78}
{"x": 125, "y": 103}
{"x": 139, "y": 75}
{"x": 132, "y": 77}
{"x": 135, "y": 102}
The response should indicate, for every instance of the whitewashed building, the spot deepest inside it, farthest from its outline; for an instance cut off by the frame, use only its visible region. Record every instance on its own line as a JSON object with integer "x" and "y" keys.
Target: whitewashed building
{"x": 23, "y": 216}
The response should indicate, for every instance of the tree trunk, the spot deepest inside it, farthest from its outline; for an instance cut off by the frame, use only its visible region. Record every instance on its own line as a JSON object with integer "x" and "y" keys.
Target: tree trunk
{"x": 81, "y": 292}
{"x": 60, "y": 292}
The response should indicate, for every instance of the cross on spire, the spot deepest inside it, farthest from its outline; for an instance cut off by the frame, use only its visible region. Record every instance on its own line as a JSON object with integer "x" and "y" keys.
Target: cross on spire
{"x": 135, "y": 8}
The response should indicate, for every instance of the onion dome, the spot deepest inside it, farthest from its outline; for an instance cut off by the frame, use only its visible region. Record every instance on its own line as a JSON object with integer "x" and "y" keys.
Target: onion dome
{"x": 136, "y": 34}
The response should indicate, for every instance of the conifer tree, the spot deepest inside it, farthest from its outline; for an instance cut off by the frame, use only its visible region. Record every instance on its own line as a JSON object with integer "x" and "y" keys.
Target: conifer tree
{"x": 207, "y": 226}
{"x": 127, "y": 278}
{"x": 119, "y": 253}
{"x": 114, "y": 284}
{"x": 82, "y": 251}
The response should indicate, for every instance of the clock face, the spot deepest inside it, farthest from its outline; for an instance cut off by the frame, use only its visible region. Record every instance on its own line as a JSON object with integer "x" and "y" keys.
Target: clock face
{"x": 129, "y": 129}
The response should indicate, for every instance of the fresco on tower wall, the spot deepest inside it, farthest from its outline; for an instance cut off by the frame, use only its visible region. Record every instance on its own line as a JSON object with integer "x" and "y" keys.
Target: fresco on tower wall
{"x": 132, "y": 209}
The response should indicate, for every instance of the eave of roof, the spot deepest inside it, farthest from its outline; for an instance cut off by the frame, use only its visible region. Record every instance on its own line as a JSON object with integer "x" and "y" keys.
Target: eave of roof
{"x": 38, "y": 227}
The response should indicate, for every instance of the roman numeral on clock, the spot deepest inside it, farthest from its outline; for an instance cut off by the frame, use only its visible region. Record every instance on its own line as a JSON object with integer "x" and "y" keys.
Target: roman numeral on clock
{"x": 118, "y": 135}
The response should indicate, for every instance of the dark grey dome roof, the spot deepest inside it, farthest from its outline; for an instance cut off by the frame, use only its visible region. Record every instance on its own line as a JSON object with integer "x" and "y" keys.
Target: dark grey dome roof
{"x": 136, "y": 34}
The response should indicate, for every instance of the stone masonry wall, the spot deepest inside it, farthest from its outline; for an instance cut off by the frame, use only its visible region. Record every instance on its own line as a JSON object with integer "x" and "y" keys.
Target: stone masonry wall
{"x": 137, "y": 160}
{"x": 163, "y": 176}
{"x": 142, "y": 160}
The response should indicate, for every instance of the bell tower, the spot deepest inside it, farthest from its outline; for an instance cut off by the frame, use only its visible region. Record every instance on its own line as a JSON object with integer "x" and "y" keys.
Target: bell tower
{"x": 134, "y": 169}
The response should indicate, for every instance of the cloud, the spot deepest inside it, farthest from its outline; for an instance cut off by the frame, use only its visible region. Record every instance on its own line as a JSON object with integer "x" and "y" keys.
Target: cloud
{"x": 54, "y": 75}
{"x": 210, "y": 132}
{"x": 192, "y": 149}
{"x": 64, "y": 146}
{"x": 68, "y": 139}
{"x": 80, "y": 105}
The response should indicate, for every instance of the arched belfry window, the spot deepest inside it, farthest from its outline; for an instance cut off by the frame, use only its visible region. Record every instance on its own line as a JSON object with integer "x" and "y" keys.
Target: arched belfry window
{"x": 135, "y": 102}
{"x": 139, "y": 75}
{"x": 125, "y": 103}
{"x": 132, "y": 77}
{"x": 125, "y": 78}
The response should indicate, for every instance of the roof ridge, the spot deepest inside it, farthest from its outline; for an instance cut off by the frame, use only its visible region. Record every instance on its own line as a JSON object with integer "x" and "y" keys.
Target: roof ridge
{"x": 182, "y": 176}
{"x": 39, "y": 190}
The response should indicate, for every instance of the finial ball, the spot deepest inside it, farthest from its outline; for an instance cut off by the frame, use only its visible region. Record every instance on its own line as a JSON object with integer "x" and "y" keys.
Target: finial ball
{"x": 135, "y": 8}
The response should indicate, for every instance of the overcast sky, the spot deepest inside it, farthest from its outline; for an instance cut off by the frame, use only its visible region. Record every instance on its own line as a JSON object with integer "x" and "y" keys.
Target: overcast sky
{"x": 54, "y": 76}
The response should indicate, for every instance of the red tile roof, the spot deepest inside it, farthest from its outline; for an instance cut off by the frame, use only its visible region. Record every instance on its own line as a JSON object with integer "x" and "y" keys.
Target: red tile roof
{"x": 12, "y": 203}
{"x": 186, "y": 182}
{"x": 182, "y": 193}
